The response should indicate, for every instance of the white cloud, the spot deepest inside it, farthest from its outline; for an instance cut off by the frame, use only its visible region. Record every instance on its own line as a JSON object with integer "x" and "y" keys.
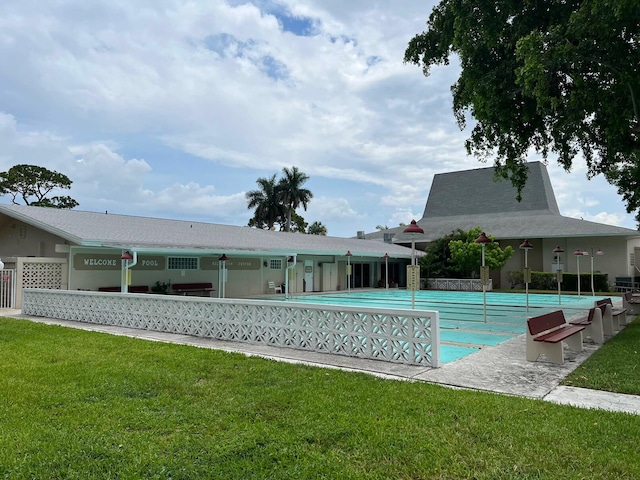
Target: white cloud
{"x": 579, "y": 197}
{"x": 193, "y": 197}
{"x": 403, "y": 217}
{"x": 101, "y": 177}
{"x": 176, "y": 108}
{"x": 608, "y": 218}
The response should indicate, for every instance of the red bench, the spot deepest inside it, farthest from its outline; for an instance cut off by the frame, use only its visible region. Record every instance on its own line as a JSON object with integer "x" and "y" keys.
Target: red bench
{"x": 130, "y": 288}
{"x": 546, "y": 334}
{"x": 592, "y": 323}
{"x": 612, "y": 318}
{"x": 203, "y": 289}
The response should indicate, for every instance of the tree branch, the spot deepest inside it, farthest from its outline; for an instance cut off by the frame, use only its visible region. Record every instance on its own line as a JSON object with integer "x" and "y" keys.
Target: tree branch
{"x": 632, "y": 94}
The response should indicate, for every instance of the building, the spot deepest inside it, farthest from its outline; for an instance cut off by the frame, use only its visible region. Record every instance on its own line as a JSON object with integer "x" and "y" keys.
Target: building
{"x": 77, "y": 250}
{"x": 473, "y": 198}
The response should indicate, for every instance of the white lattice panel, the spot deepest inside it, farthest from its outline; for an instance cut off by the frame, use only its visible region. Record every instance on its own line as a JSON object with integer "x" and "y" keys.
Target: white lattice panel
{"x": 400, "y": 336}
{"x": 42, "y": 275}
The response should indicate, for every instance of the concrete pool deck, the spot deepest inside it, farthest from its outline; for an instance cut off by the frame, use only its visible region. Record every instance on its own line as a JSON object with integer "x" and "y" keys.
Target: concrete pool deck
{"x": 463, "y": 330}
{"x": 501, "y": 369}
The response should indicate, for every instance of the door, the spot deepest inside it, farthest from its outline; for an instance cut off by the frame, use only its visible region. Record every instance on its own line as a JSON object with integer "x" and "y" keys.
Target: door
{"x": 329, "y": 276}
{"x": 308, "y": 276}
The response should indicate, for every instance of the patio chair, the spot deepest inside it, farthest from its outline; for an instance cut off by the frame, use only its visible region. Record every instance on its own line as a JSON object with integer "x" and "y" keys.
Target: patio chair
{"x": 276, "y": 288}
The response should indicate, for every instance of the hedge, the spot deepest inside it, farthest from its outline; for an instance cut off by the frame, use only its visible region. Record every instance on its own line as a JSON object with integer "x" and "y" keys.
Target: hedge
{"x": 547, "y": 281}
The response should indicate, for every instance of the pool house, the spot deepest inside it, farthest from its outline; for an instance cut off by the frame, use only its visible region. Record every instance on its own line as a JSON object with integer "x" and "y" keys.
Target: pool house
{"x": 77, "y": 250}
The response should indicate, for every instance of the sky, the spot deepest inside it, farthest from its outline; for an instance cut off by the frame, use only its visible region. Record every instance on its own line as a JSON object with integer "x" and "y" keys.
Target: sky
{"x": 174, "y": 108}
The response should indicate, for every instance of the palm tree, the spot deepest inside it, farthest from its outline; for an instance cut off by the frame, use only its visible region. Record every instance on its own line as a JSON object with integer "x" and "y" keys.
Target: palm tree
{"x": 317, "y": 228}
{"x": 292, "y": 195}
{"x": 266, "y": 201}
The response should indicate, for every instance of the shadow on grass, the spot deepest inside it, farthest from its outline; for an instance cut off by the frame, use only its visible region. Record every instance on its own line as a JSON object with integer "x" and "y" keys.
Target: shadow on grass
{"x": 614, "y": 367}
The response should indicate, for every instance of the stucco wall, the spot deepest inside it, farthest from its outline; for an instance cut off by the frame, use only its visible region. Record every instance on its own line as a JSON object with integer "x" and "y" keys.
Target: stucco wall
{"x": 615, "y": 261}
{"x": 240, "y": 282}
{"x": 17, "y": 239}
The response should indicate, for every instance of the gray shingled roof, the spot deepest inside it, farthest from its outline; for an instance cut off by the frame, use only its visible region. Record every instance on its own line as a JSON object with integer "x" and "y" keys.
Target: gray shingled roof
{"x": 472, "y": 198}
{"x": 521, "y": 225}
{"x": 161, "y": 235}
{"x": 475, "y": 192}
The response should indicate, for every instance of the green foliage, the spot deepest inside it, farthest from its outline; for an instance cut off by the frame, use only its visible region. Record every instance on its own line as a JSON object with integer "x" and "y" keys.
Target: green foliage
{"x": 298, "y": 223}
{"x": 436, "y": 262}
{"x": 553, "y": 77}
{"x": 173, "y": 411}
{"x": 547, "y": 281}
{"x": 265, "y": 201}
{"x": 543, "y": 281}
{"x": 614, "y": 366}
{"x": 600, "y": 282}
{"x": 32, "y": 184}
{"x": 291, "y": 192}
{"x": 160, "y": 287}
{"x": 317, "y": 228}
{"x": 515, "y": 278}
{"x": 627, "y": 178}
{"x": 456, "y": 255}
{"x": 466, "y": 254}
{"x": 276, "y": 201}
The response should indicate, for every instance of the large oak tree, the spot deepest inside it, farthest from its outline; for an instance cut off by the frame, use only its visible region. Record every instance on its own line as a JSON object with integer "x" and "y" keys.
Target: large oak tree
{"x": 33, "y": 184}
{"x": 560, "y": 77}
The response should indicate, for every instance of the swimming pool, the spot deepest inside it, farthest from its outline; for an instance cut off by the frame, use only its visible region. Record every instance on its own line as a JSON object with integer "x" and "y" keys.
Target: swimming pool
{"x": 462, "y": 327}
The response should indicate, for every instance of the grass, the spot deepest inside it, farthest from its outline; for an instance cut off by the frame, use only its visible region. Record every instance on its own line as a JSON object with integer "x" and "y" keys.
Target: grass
{"x": 77, "y": 404}
{"x": 614, "y": 367}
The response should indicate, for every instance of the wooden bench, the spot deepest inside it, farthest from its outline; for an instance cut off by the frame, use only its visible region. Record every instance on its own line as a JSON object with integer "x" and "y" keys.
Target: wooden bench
{"x": 130, "y": 289}
{"x": 613, "y": 318}
{"x": 202, "y": 289}
{"x": 546, "y": 334}
{"x": 631, "y": 303}
{"x": 592, "y": 323}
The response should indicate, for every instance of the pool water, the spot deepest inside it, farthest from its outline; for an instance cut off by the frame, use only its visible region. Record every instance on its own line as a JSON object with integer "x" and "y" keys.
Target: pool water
{"x": 462, "y": 327}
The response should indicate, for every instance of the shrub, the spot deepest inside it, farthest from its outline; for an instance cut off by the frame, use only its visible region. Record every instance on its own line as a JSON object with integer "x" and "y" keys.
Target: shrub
{"x": 547, "y": 281}
{"x": 515, "y": 278}
{"x": 543, "y": 281}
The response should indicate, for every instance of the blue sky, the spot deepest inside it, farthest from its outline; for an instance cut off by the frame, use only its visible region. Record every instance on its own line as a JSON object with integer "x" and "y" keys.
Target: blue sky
{"x": 173, "y": 109}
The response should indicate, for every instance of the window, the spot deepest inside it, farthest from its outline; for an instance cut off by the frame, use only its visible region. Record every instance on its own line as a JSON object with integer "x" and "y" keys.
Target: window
{"x": 275, "y": 264}
{"x": 182, "y": 263}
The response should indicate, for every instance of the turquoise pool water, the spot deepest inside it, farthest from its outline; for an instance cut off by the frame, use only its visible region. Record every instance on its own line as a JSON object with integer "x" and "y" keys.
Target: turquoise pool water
{"x": 462, "y": 327}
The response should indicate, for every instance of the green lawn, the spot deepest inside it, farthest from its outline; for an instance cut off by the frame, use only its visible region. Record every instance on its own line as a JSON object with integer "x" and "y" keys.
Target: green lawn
{"x": 77, "y": 404}
{"x": 614, "y": 367}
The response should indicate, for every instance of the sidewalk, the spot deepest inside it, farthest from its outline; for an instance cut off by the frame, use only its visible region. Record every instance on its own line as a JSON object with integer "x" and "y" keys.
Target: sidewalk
{"x": 501, "y": 369}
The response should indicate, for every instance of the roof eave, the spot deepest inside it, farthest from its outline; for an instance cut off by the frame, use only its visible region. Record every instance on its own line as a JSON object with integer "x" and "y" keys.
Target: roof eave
{"x": 41, "y": 225}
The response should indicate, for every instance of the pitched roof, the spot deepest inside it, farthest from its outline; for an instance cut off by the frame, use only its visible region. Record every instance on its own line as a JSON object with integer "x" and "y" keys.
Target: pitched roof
{"x": 476, "y": 192}
{"x": 93, "y": 229}
{"x": 472, "y": 198}
{"x": 521, "y": 225}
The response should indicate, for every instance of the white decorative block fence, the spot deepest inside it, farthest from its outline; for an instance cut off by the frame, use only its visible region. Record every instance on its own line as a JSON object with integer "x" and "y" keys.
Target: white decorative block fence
{"x": 400, "y": 336}
{"x": 459, "y": 284}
